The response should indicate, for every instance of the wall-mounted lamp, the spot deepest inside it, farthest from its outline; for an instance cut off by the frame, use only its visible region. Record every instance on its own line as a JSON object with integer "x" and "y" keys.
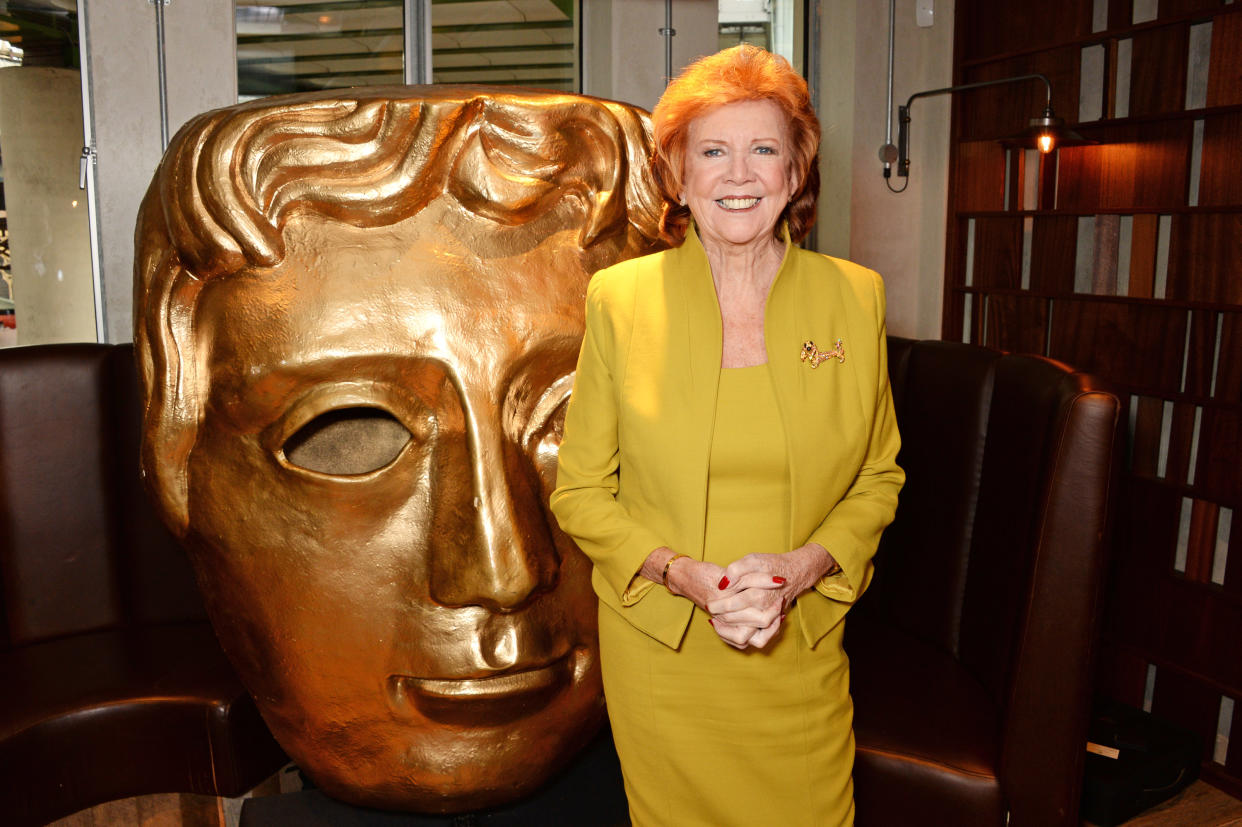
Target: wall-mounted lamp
{"x": 1045, "y": 133}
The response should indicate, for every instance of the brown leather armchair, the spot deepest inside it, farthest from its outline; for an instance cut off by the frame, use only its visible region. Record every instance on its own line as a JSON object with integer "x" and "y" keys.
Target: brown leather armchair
{"x": 971, "y": 653}
{"x": 112, "y": 683}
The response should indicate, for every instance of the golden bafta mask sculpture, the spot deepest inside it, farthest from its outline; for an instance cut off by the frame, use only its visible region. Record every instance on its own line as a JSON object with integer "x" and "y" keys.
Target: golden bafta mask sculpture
{"x": 357, "y": 320}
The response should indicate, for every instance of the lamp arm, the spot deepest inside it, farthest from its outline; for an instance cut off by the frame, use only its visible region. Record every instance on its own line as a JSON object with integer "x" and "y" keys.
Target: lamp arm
{"x": 903, "y": 112}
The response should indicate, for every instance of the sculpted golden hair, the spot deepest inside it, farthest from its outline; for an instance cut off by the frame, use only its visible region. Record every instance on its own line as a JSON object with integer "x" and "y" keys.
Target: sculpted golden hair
{"x": 232, "y": 178}
{"x": 736, "y": 75}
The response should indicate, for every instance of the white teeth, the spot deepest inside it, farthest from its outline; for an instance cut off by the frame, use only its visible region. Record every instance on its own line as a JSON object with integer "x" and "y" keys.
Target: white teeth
{"x": 737, "y": 203}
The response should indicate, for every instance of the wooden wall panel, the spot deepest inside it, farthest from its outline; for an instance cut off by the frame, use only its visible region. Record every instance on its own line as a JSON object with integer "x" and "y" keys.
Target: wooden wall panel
{"x": 1171, "y": 345}
{"x": 998, "y": 252}
{"x": 1205, "y": 252}
{"x": 1176, "y": 8}
{"x": 1139, "y": 345}
{"x": 1158, "y": 69}
{"x": 1220, "y": 182}
{"x": 1225, "y": 69}
{"x": 1054, "y": 250}
{"x": 1134, "y": 167}
{"x": 997, "y": 111}
{"x": 1194, "y": 627}
{"x": 1189, "y": 702}
{"x": 994, "y": 27}
{"x": 1148, "y": 419}
{"x": 1218, "y": 472}
{"x": 1017, "y": 324}
{"x": 979, "y": 177}
{"x": 1144, "y": 245}
{"x": 1229, "y": 364}
{"x": 1201, "y": 353}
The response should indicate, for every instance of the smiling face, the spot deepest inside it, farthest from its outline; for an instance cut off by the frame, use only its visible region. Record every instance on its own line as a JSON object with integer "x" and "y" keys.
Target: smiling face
{"x": 738, "y": 175}
{"x": 367, "y": 506}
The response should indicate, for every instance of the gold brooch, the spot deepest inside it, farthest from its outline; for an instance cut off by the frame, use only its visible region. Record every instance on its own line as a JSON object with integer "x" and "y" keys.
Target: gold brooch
{"x": 811, "y": 353}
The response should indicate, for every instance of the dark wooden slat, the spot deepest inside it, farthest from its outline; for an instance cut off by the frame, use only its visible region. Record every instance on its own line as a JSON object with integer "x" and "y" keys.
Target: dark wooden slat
{"x": 1017, "y": 324}
{"x": 1194, "y": 627}
{"x": 1218, "y": 471}
{"x": 1204, "y": 253}
{"x": 997, "y": 26}
{"x": 1136, "y": 344}
{"x": 1145, "y": 441}
{"x": 1233, "y": 565}
{"x": 980, "y": 175}
{"x": 1158, "y": 70}
{"x": 1219, "y": 182}
{"x": 1144, "y": 237}
{"x": 1181, "y": 433}
{"x": 1180, "y": 8}
{"x": 1122, "y": 675}
{"x": 998, "y": 252}
{"x": 1201, "y": 545}
{"x": 1225, "y": 69}
{"x": 1229, "y": 365}
{"x": 1188, "y": 702}
{"x": 1201, "y": 353}
{"x": 1054, "y": 250}
{"x": 1135, "y": 166}
{"x": 1120, "y": 13}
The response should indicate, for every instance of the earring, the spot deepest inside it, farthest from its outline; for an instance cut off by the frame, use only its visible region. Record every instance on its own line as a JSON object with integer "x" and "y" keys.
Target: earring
{"x": 682, "y": 200}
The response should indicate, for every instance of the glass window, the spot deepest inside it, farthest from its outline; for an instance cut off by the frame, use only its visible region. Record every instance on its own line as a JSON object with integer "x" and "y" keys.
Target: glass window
{"x": 304, "y": 45}
{"x": 775, "y": 25}
{"x": 46, "y": 281}
{"x": 516, "y": 42}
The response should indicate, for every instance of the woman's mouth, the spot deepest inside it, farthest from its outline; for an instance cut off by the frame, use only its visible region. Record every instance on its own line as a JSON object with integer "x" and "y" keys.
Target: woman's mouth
{"x": 737, "y": 203}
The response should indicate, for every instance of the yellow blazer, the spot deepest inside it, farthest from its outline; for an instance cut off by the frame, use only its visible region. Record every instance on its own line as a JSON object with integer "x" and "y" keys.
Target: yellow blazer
{"x": 638, "y": 430}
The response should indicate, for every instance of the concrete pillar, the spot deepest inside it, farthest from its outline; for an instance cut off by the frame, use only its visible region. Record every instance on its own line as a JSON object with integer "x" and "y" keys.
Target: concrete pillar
{"x": 625, "y": 51}
{"x": 41, "y": 138}
{"x": 122, "y": 54}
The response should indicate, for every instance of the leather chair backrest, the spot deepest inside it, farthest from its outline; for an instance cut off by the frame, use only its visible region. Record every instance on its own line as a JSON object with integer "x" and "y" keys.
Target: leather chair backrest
{"x": 80, "y": 546}
{"x": 984, "y": 435}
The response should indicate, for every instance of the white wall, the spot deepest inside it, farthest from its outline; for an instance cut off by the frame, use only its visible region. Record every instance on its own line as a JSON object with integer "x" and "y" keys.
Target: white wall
{"x": 41, "y": 138}
{"x": 901, "y": 236}
{"x": 201, "y": 67}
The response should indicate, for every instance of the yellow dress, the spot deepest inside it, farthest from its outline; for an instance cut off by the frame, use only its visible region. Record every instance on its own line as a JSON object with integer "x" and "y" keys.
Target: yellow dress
{"x": 710, "y": 735}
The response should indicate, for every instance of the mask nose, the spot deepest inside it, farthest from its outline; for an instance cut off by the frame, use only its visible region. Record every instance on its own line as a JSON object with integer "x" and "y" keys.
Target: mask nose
{"x": 490, "y": 544}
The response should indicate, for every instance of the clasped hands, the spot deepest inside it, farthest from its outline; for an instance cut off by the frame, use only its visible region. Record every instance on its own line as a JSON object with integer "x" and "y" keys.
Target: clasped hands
{"x": 747, "y": 600}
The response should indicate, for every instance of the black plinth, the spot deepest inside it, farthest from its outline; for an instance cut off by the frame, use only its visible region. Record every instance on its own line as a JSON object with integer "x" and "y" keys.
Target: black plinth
{"x": 588, "y": 792}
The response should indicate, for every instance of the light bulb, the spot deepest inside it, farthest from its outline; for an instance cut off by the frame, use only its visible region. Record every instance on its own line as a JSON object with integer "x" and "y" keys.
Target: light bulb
{"x": 1045, "y": 143}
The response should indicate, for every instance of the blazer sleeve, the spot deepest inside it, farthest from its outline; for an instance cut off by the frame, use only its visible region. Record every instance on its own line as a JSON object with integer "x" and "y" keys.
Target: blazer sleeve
{"x": 588, "y": 472}
{"x": 851, "y": 531}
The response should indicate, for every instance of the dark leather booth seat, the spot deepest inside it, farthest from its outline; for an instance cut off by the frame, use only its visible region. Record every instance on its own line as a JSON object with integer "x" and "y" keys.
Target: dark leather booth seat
{"x": 112, "y": 683}
{"x": 971, "y": 653}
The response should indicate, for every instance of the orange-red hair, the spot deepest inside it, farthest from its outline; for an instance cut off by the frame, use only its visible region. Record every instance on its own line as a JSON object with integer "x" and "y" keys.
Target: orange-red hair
{"x": 737, "y": 74}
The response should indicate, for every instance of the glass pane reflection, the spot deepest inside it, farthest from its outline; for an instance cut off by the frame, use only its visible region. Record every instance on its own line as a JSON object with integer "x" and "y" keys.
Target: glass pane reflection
{"x": 304, "y": 45}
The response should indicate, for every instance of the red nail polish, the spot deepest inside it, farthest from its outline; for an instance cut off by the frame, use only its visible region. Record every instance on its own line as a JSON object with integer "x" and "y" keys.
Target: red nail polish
{"x": 724, "y": 583}
{"x": 709, "y": 620}
{"x": 780, "y": 581}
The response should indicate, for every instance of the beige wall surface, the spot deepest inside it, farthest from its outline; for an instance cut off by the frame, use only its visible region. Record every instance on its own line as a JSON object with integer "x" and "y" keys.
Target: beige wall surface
{"x": 900, "y": 235}
{"x": 41, "y": 139}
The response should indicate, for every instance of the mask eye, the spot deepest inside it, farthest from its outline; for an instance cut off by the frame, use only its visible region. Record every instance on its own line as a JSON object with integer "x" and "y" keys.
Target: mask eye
{"x": 347, "y": 442}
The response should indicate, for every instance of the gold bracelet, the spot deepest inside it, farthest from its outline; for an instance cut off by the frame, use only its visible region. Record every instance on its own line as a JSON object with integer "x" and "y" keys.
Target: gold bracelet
{"x": 671, "y": 560}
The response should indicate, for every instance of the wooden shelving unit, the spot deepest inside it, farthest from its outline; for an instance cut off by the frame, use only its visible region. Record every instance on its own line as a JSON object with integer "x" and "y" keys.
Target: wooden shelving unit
{"x": 1125, "y": 258}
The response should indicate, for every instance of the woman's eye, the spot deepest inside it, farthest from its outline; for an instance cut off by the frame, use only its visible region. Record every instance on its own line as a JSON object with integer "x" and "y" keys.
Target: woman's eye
{"x": 347, "y": 442}
{"x": 766, "y": 150}
{"x": 712, "y": 153}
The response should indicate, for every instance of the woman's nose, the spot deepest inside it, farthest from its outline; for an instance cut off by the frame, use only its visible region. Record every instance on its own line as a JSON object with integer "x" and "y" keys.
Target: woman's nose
{"x": 490, "y": 545}
{"x": 739, "y": 167}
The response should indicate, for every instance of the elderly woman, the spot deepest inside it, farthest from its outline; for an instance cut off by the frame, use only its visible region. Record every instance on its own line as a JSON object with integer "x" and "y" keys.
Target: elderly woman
{"x": 728, "y": 464}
